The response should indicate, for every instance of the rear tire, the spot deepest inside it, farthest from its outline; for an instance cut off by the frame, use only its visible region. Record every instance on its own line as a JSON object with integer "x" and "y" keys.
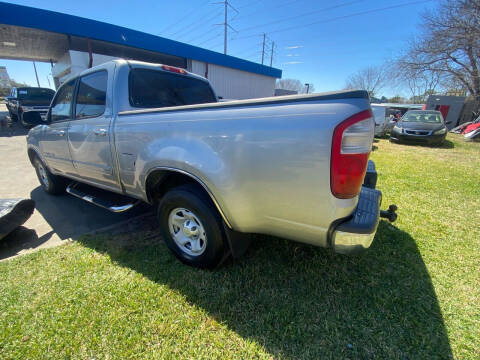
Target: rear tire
{"x": 191, "y": 227}
{"x": 51, "y": 184}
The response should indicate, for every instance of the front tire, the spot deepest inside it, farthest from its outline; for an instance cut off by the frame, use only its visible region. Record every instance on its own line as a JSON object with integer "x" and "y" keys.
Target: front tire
{"x": 51, "y": 184}
{"x": 13, "y": 117}
{"x": 191, "y": 227}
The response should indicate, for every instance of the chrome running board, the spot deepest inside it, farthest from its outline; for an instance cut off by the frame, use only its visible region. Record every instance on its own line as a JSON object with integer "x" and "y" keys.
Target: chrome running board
{"x": 113, "y": 202}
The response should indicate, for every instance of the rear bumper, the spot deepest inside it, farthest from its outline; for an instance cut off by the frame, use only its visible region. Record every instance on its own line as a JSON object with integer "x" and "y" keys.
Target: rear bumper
{"x": 419, "y": 139}
{"x": 357, "y": 233}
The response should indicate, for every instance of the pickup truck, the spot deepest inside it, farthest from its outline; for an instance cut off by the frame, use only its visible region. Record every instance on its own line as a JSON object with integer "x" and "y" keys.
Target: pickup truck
{"x": 28, "y": 100}
{"x": 291, "y": 166}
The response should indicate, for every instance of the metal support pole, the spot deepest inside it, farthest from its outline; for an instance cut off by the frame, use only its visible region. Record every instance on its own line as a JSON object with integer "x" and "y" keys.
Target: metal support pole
{"x": 36, "y": 75}
{"x": 90, "y": 56}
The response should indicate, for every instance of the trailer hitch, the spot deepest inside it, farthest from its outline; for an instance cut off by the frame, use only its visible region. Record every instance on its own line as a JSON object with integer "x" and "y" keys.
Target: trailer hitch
{"x": 390, "y": 214}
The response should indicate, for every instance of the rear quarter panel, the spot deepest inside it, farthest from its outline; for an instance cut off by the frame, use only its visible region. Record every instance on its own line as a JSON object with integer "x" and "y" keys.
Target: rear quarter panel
{"x": 268, "y": 166}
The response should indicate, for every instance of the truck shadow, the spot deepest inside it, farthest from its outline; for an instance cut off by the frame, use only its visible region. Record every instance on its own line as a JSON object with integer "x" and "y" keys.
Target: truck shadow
{"x": 299, "y": 301}
{"x": 447, "y": 144}
{"x": 9, "y": 128}
{"x": 71, "y": 217}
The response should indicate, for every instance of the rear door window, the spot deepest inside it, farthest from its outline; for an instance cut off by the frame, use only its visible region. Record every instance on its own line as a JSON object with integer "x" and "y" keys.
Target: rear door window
{"x": 91, "y": 96}
{"x": 153, "y": 88}
{"x": 62, "y": 104}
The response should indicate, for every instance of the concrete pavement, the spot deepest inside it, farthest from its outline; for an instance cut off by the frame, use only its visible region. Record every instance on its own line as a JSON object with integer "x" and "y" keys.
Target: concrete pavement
{"x": 56, "y": 218}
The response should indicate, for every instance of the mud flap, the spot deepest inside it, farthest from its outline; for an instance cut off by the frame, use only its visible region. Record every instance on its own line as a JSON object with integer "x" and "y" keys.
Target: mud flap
{"x": 238, "y": 242}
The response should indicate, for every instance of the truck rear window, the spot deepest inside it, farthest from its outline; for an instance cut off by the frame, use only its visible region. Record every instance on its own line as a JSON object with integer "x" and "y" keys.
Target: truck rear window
{"x": 36, "y": 94}
{"x": 153, "y": 88}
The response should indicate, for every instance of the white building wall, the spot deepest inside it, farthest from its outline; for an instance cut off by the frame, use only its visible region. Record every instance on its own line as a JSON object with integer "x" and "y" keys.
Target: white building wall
{"x": 228, "y": 83}
{"x": 235, "y": 84}
{"x": 74, "y": 62}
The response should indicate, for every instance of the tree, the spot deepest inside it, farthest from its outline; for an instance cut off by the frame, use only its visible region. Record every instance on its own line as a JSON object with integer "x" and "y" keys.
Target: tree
{"x": 421, "y": 83}
{"x": 397, "y": 99}
{"x": 4, "y": 91}
{"x": 372, "y": 79}
{"x": 449, "y": 46}
{"x": 295, "y": 85}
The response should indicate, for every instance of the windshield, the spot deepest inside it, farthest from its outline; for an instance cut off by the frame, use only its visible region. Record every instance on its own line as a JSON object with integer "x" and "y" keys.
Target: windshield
{"x": 423, "y": 116}
{"x": 36, "y": 94}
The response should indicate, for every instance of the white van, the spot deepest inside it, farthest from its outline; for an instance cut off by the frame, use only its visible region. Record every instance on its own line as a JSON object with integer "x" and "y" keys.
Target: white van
{"x": 381, "y": 119}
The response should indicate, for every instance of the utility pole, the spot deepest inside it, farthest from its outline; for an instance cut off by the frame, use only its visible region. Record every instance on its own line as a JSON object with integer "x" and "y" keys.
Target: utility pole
{"x": 263, "y": 47}
{"x": 225, "y": 24}
{"x": 271, "y": 55}
{"x": 225, "y": 27}
{"x": 34, "y": 66}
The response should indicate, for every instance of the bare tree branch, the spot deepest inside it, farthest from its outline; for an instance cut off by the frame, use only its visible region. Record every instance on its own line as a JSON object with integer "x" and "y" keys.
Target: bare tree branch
{"x": 449, "y": 45}
{"x": 295, "y": 85}
{"x": 372, "y": 79}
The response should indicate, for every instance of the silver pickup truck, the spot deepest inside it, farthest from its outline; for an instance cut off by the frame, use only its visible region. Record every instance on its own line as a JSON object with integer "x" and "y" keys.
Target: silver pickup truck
{"x": 293, "y": 167}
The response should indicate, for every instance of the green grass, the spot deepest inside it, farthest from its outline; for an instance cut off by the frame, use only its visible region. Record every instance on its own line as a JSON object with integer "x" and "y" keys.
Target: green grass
{"x": 414, "y": 295}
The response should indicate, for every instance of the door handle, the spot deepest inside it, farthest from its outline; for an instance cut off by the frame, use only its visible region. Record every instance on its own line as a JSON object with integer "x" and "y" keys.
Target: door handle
{"x": 100, "y": 132}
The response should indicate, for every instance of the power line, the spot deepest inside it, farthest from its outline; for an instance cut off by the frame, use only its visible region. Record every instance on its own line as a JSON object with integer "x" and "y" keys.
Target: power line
{"x": 184, "y": 17}
{"x": 204, "y": 34}
{"x": 249, "y": 3}
{"x": 338, "y": 18}
{"x": 304, "y": 14}
{"x": 210, "y": 39}
{"x": 191, "y": 40}
{"x": 192, "y": 25}
{"x": 276, "y": 6}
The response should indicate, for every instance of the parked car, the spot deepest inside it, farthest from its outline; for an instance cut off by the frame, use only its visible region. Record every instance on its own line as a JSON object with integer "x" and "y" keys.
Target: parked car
{"x": 420, "y": 126}
{"x": 28, "y": 99}
{"x": 395, "y": 111}
{"x": 289, "y": 166}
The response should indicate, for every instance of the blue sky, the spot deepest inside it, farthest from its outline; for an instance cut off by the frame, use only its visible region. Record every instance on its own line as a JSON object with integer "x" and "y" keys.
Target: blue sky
{"x": 320, "y": 42}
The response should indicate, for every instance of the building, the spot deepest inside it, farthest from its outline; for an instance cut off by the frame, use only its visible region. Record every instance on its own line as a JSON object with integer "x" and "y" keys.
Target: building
{"x": 4, "y": 78}
{"x": 282, "y": 92}
{"x": 451, "y": 108}
{"x": 72, "y": 44}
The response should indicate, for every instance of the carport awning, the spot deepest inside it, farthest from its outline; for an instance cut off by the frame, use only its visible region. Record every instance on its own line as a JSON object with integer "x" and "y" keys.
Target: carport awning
{"x": 35, "y": 34}
{"x": 21, "y": 43}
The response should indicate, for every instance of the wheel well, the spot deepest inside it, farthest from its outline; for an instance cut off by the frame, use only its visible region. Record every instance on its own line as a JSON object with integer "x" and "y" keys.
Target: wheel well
{"x": 160, "y": 181}
{"x": 31, "y": 155}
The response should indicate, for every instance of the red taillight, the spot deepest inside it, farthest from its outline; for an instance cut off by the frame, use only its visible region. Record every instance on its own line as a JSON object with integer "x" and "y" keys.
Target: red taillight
{"x": 174, "y": 69}
{"x": 351, "y": 145}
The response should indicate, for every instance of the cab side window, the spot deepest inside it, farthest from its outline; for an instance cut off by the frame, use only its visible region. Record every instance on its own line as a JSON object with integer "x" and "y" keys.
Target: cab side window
{"x": 91, "y": 96}
{"x": 62, "y": 104}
